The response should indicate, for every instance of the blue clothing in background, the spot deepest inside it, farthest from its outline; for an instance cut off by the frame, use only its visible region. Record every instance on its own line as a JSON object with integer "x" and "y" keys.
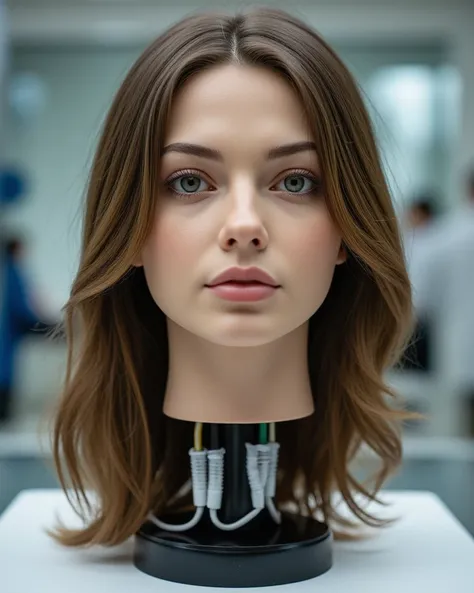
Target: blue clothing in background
{"x": 16, "y": 317}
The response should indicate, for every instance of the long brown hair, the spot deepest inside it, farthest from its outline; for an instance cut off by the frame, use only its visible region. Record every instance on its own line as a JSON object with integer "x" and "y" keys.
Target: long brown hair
{"x": 110, "y": 435}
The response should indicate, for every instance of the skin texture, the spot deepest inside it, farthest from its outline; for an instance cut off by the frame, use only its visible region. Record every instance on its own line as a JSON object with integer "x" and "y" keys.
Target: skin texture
{"x": 233, "y": 361}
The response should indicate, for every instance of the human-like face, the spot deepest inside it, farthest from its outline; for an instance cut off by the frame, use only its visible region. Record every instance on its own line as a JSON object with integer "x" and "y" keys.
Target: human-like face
{"x": 231, "y": 196}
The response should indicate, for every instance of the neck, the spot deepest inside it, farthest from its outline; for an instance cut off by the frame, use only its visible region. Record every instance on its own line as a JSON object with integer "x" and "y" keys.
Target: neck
{"x": 217, "y": 384}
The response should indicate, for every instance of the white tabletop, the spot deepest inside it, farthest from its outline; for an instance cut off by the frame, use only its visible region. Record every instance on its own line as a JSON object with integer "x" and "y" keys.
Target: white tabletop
{"x": 426, "y": 551}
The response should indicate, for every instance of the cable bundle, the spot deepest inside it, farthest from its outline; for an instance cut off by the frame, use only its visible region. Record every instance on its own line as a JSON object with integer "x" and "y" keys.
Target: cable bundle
{"x": 207, "y": 477}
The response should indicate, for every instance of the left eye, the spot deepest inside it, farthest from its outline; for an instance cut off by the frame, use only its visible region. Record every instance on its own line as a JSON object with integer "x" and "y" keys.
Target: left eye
{"x": 297, "y": 183}
{"x": 188, "y": 184}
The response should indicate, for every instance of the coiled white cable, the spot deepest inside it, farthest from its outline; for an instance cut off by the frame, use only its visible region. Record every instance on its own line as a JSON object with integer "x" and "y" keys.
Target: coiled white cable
{"x": 236, "y": 524}
{"x": 262, "y": 462}
{"x": 274, "y": 512}
{"x": 199, "y": 485}
{"x": 182, "y": 527}
{"x": 216, "y": 462}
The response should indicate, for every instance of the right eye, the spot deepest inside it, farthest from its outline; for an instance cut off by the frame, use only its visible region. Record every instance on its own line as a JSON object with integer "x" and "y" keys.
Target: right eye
{"x": 187, "y": 183}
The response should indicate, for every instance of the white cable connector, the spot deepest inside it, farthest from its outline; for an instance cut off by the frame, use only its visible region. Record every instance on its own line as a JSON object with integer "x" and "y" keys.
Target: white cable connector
{"x": 215, "y": 486}
{"x": 263, "y": 462}
{"x": 253, "y": 474}
{"x": 270, "y": 485}
{"x": 199, "y": 476}
{"x": 199, "y": 486}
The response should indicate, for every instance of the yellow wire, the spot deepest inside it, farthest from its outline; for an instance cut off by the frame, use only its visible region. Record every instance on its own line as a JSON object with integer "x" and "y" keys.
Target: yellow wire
{"x": 198, "y": 436}
{"x": 272, "y": 433}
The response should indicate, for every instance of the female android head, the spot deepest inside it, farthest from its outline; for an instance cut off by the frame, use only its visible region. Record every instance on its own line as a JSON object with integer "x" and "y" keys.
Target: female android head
{"x": 110, "y": 425}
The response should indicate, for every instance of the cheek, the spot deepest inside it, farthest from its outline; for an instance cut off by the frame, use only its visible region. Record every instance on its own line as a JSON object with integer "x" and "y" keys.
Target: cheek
{"x": 316, "y": 246}
{"x": 165, "y": 257}
{"x": 166, "y": 249}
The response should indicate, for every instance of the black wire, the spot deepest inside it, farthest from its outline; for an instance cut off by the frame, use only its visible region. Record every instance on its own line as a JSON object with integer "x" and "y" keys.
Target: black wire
{"x": 214, "y": 436}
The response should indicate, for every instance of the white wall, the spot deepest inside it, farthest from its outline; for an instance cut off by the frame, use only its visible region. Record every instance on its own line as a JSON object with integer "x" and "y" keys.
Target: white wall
{"x": 55, "y": 148}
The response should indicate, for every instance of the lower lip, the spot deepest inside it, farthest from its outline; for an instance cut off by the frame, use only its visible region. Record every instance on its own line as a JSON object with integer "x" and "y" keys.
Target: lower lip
{"x": 243, "y": 293}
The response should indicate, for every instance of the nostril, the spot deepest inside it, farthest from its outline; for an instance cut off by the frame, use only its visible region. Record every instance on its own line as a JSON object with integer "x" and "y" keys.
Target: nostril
{"x": 233, "y": 242}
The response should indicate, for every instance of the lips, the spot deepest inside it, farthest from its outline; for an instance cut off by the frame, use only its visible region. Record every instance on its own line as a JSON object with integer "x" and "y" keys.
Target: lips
{"x": 243, "y": 285}
{"x": 244, "y": 276}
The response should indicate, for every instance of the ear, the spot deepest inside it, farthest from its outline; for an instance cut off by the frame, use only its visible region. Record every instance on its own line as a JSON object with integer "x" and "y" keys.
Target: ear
{"x": 342, "y": 255}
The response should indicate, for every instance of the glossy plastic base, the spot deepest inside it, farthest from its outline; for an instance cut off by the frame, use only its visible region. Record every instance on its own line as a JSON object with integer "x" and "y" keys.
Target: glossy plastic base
{"x": 258, "y": 555}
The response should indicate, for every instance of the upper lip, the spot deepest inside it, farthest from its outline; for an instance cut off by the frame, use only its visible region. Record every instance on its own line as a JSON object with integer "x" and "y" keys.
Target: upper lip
{"x": 244, "y": 275}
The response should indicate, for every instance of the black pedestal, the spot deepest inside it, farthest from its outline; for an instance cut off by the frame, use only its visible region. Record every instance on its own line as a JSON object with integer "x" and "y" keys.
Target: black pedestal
{"x": 298, "y": 549}
{"x": 258, "y": 554}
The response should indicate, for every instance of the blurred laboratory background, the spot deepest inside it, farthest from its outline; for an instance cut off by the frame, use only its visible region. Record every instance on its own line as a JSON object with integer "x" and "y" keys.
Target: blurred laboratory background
{"x": 61, "y": 62}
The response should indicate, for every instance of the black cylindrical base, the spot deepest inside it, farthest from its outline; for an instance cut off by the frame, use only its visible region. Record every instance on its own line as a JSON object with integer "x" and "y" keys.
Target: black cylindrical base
{"x": 298, "y": 549}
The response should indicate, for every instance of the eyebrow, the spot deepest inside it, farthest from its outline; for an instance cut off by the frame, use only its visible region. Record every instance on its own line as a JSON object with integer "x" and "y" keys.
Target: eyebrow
{"x": 215, "y": 155}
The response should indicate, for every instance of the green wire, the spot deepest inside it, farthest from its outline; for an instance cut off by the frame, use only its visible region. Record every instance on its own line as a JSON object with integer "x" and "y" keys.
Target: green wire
{"x": 263, "y": 437}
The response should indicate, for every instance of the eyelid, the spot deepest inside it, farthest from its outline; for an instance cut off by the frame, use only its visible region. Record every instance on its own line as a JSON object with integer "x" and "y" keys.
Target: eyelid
{"x": 184, "y": 172}
{"x": 303, "y": 172}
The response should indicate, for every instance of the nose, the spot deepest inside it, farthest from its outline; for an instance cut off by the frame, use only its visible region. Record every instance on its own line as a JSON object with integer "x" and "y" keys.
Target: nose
{"x": 243, "y": 228}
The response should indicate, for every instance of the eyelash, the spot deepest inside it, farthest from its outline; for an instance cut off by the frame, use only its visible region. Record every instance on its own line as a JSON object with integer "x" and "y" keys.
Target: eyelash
{"x": 195, "y": 173}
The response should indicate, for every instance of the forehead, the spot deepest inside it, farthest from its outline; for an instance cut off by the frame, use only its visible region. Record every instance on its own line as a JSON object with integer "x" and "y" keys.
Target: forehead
{"x": 235, "y": 99}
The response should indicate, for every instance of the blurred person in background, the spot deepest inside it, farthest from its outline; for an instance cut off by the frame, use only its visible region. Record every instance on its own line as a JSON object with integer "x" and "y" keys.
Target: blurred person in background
{"x": 421, "y": 213}
{"x": 420, "y": 227}
{"x": 444, "y": 293}
{"x": 18, "y": 317}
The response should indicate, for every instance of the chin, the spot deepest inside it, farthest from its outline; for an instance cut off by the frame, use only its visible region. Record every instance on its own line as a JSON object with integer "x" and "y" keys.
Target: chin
{"x": 244, "y": 334}
{"x": 241, "y": 341}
